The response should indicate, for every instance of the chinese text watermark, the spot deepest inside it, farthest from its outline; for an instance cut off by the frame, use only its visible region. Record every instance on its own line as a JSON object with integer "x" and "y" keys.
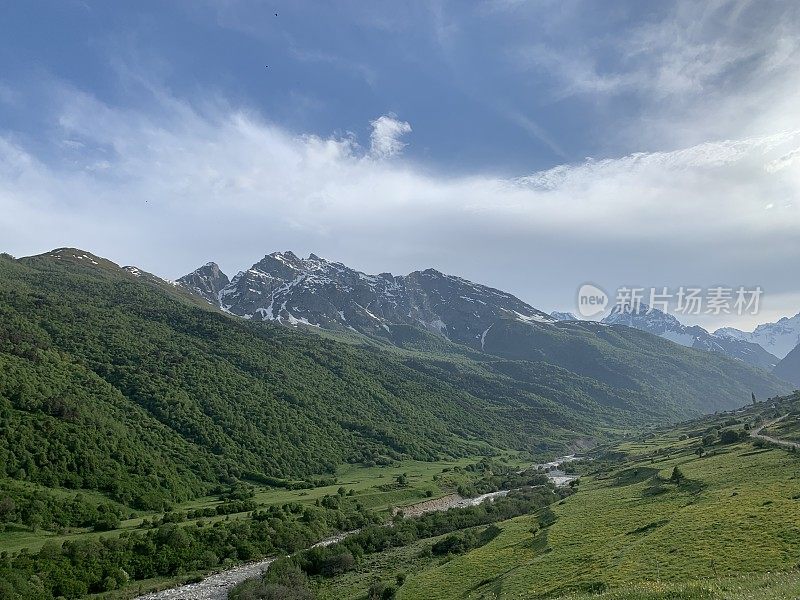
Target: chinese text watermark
{"x": 684, "y": 300}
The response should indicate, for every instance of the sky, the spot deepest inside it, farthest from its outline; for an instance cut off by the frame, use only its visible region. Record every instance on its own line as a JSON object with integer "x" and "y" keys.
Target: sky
{"x": 531, "y": 146}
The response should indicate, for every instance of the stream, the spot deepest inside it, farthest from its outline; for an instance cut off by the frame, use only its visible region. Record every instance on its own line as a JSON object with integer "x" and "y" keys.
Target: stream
{"x": 217, "y": 586}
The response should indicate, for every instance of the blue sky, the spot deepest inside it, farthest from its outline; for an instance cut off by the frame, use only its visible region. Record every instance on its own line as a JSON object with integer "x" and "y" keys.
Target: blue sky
{"x": 533, "y": 146}
{"x": 457, "y": 72}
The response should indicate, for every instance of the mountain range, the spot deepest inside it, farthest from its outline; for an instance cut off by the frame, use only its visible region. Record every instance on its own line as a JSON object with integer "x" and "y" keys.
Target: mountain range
{"x": 290, "y": 290}
{"x": 313, "y": 291}
{"x": 778, "y": 338}
{"x": 151, "y": 391}
{"x": 667, "y": 326}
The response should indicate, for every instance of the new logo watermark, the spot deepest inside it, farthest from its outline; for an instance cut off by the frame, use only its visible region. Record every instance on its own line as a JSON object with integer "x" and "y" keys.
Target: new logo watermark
{"x": 685, "y": 300}
{"x": 592, "y": 300}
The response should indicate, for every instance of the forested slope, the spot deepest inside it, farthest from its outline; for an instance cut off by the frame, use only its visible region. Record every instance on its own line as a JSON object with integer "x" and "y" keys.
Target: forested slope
{"x": 122, "y": 384}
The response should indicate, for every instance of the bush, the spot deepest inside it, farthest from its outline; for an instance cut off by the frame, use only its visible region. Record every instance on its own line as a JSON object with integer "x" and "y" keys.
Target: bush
{"x": 709, "y": 439}
{"x": 337, "y": 564}
{"x": 107, "y": 522}
{"x": 283, "y": 581}
{"x": 729, "y": 436}
{"x": 677, "y": 475}
{"x": 380, "y": 590}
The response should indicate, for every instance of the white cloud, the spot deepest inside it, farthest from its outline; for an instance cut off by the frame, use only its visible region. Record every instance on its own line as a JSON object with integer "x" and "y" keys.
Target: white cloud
{"x": 173, "y": 188}
{"x": 783, "y": 162}
{"x": 386, "y": 133}
{"x": 693, "y": 72}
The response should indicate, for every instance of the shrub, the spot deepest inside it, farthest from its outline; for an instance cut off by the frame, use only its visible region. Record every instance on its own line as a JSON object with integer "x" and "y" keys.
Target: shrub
{"x": 677, "y": 475}
{"x": 380, "y": 590}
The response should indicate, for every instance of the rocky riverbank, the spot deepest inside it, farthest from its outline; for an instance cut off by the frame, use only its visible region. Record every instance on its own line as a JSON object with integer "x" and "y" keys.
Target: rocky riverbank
{"x": 217, "y": 586}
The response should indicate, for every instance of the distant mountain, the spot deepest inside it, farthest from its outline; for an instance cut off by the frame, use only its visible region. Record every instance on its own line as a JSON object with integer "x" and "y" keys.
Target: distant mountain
{"x": 207, "y": 281}
{"x": 789, "y": 367}
{"x": 667, "y": 326}
{"x": 778, "y": 338}
{"x": 313, "y": 291}
{"x": 564, "y": 316}
{"x": 437, "y": 313}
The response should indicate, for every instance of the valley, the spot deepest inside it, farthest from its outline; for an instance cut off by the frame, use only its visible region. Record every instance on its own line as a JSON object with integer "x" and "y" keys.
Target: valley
{"x": 170, "y": 439}
{"x": 653, "y": 518}
{"x": 399, "y": 300}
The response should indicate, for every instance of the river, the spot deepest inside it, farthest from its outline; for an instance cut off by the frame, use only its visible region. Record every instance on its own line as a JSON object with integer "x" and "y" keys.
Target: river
{"x": 217, "y": 586}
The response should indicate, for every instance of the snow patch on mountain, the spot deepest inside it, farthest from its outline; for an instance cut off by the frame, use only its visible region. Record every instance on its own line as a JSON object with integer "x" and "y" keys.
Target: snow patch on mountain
{"x": 564, "y": 316}
{"x": 316, "y": 292}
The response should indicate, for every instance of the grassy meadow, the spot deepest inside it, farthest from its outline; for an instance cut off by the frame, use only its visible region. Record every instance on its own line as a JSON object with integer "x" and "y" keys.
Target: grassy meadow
{"x": 374, "y": 487}
{"x": 727, "y": 525}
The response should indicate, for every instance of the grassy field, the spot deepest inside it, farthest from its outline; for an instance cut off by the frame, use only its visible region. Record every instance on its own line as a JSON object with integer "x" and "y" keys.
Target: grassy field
{"x": 375, "y": 487}
{"x": 729, "y": 527}
{"x": 786, "y": 429}
{"x": 385, "y": 566}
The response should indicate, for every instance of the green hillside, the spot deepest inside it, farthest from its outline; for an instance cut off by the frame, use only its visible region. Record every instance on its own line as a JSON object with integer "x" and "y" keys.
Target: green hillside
{"x": 698, "y": 511}
{"x": 689, "y": 381}
{"x": 126, "y": 385}
{"x": 110, "y": 383}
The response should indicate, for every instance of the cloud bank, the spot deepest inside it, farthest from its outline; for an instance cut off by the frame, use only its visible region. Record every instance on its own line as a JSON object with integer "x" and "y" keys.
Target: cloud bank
{"x": 170, "y": 188}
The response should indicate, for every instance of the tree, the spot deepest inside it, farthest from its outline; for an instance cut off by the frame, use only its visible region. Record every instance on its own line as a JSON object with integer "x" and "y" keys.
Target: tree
{"x": 380, "y": 590}
{"x": 677, "y": 475}
{"x": 7, "y": 506}
{"x": 729, "y": 436}
{"x": 337, "y": 564}
{"x": 402, "y": 479}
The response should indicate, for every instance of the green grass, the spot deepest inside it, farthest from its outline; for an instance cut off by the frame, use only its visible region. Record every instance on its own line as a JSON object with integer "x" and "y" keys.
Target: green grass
{"x": 366, "y": 482}
{"x": 385, "y": 566}
{"x": 737, "y": 513}
{"x": 785, "y": 429}
{"x": 773, "y": 586}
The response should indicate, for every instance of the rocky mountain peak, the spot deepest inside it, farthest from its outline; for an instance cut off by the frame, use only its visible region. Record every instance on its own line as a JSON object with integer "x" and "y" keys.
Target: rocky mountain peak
{"x": 207, "y": 282}
{"x": 564, "y": 316}
{"x": 316, "y": 292}
{"x": 779, "y": 338}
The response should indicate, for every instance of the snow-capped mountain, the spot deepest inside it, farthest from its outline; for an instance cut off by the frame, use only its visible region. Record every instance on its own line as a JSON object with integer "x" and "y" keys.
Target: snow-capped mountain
{"x": 779, "y": 338}
{"x": 207, "y": 281}
{"x": 564, "y": 316}
{"x": 313, "y": 291}
{"x": 667, "y": 326}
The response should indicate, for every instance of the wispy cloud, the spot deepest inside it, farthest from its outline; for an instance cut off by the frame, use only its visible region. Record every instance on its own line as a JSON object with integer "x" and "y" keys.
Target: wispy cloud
{"x": 385, "y": 137}
{"x": 355, "y": 68}
{"x": 692, "y": 72}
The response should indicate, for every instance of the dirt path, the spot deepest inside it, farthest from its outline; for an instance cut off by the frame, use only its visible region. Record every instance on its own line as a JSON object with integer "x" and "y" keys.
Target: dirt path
{"x": 756, "y": 433}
